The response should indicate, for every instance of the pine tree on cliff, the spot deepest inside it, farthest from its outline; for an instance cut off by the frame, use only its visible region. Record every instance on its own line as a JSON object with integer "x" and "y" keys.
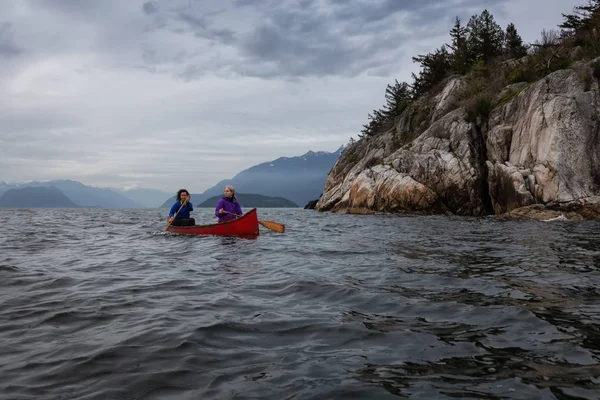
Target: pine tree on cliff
{"x": 397, "y": 98}
{"x": 513, "y": 44}
{"x": 486, "y": 38}
{"x": 435, "y": 67}
{"x": 584, "y": 23}
{"x": 461, "y": 60}
{"x": 377, "y": 123}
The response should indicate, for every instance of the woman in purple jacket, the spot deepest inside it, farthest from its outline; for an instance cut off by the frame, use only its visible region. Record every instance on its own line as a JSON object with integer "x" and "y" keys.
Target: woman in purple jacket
{"x": 228, "y": 204}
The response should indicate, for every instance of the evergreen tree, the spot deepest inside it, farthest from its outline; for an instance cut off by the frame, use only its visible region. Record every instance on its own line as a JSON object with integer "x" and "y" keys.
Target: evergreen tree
{"x": 376, "y": 124}
{"x": 584, "y": 20}
{"x": 435, "y": 67}
{"x": 397, "y": 99}
{"x": 513, "y": 44}
{"x": 485, "y": 37}
{"x": 461, "y": 59}
{"x": 418, "y": 86}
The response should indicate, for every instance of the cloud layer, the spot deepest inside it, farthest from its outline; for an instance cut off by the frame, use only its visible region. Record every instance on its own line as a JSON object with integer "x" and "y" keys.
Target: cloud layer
{"x": 175, "y": 93}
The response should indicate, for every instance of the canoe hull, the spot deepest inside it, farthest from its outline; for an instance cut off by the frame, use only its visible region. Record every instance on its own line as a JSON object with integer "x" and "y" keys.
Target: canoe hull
{"x": 246, "y": 225}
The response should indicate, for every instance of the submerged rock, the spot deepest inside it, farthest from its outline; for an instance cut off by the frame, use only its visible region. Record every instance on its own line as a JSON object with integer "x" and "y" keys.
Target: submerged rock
{"x": 311, "y": 205}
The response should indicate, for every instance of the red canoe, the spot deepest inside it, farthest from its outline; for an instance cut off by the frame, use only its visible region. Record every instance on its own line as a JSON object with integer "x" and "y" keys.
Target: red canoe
{"x": 246, "y": 225}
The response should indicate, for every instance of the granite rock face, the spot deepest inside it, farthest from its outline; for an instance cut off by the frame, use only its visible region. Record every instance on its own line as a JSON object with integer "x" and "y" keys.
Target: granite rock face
{"x": 540, "y": 145}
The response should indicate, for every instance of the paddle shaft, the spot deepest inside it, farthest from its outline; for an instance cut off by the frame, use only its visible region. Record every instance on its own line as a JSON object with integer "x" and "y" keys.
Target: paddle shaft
{"x": 175, "y": 216}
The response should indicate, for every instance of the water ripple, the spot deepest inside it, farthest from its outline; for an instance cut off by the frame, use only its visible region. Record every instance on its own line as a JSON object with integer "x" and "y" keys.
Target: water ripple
{"x": 102, "y": 304}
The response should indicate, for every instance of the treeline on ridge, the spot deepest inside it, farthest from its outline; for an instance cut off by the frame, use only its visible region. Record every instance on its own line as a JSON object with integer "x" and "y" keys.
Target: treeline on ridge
{"x": 491, "y": 58}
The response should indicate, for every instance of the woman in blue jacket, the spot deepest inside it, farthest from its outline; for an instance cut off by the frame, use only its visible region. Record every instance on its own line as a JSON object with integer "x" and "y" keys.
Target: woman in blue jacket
{"x": 183, "y": 217}
{"x": 228, "y": 204}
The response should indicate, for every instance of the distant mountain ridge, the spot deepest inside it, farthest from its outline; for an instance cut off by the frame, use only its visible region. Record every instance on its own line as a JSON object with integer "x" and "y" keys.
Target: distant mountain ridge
{"x": 80, "y": 194}
{"x": 250, "y": 200}
{"x": 30, "y": 197}
{"x": 299, "y": 179}
{"x": 151, "y": 198}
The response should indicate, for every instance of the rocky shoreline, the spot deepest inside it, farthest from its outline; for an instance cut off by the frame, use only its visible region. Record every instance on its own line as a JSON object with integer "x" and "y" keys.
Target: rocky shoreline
{"x": 535, "y": 156}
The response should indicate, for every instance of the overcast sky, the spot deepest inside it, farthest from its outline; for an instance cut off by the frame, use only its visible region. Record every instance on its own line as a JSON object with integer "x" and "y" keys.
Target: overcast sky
{"x": 183, "y": 93}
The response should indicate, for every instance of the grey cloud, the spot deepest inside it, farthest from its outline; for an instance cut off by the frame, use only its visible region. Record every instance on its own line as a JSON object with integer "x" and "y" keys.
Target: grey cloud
{"x": 301, "y": 42}
{"x": 248, "y": 3}
{"x": 226, "y": 36}
{"x": 306, "y": 3}
{"x": 193, "y": 21}
{"x": 185, "y": 19}
{"x": 295, "y": 56}
{"x": 150, "y": 7}
{"x": 82, "y": 9}
{"x": 369, "y": 11}
{"x": 283, "y": 38}
{"x": 16, "y": 124}
{"x": 8, "y": 48}
{"x": 200, "y": 27}
{"x": 365, "y": 11}
{"x": 292, "y": 39}
{"x": 344, "y": 37}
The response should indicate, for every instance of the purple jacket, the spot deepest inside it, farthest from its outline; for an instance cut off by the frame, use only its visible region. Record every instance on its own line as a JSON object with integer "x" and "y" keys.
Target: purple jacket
{"x": 228, "y": 204}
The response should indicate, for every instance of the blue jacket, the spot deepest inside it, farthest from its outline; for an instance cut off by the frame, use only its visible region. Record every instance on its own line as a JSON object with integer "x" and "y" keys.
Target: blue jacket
{"x": 185, "y": 211}
{"x": 228, "y": 204}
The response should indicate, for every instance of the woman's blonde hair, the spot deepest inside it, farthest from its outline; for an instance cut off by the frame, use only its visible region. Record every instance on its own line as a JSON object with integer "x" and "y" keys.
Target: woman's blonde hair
{"x": 232, "y": 190}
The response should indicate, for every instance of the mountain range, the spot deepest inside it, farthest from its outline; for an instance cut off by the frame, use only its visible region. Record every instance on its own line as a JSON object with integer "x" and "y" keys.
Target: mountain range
{"x": 150, "y": 198}
{"x": 30, "y": 197}
{"x": 299, "y": 179}
{"x": 248, "y": 200}
{"x": 295, "y": 179}
{"x": 80, "y": 194}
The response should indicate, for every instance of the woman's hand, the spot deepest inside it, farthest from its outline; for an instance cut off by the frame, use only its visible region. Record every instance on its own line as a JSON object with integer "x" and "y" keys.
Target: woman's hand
{"x": 221, "y": 211}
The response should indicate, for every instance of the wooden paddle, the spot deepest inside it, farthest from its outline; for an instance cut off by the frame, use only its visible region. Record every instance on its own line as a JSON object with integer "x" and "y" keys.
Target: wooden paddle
{"x": 175, "y": 216}
{"x": 274, "y": 226}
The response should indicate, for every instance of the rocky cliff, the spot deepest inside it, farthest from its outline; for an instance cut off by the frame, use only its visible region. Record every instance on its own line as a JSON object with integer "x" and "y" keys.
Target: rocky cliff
{"x": 536, "y": 152}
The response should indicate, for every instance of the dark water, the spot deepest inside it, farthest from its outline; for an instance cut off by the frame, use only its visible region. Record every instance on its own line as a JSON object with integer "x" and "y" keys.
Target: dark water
{"x": 99, "y": 304}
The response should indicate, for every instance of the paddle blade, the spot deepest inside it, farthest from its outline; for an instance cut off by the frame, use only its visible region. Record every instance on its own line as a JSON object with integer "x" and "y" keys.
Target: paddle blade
{"x": 274, "y": 226}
